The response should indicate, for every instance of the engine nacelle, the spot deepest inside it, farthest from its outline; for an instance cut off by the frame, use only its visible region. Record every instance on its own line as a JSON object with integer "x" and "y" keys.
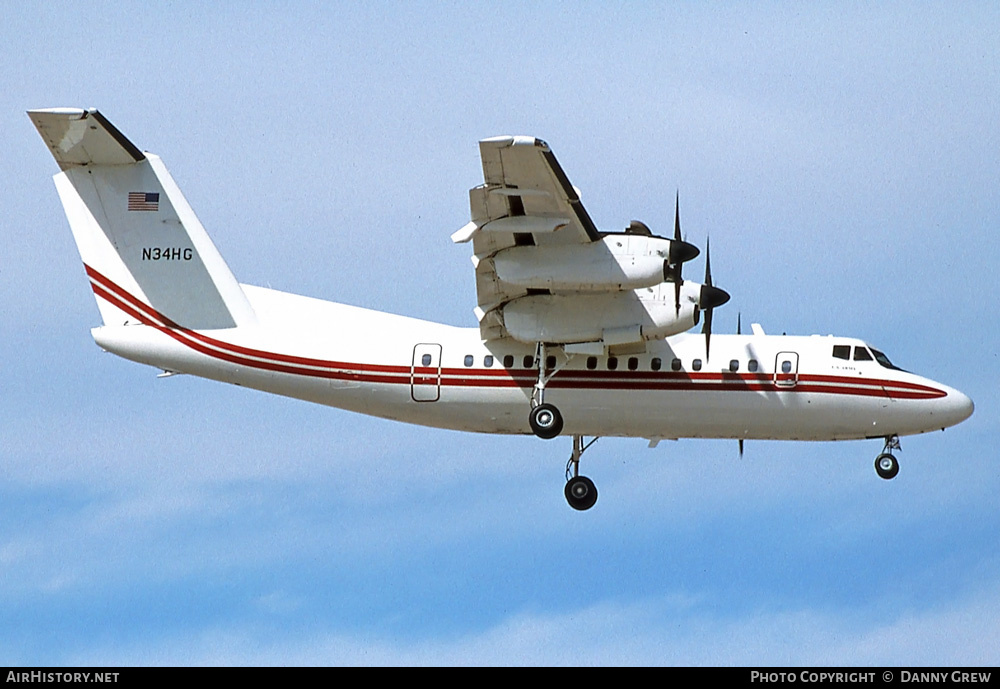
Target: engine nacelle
{"x": 617, "y": 262}
{"x": 611, "y": 317}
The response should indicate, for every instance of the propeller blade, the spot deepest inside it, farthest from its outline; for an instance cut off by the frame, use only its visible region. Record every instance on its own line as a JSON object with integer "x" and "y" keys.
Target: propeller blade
{"x": 739, "y": 317}
{"x": 677, "y": 216}
{"x": 677, "y": 238}
{"x": 708, "y": 261}
{"x": 710, "y": 298}
{"x": 707, "y": 330}
{"x": 680, "y": 252}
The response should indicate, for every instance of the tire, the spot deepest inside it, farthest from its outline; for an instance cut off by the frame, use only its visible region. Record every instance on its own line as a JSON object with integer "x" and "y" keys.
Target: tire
{"x": 886, "y": 466}
{"x": 581, "y": 493}
{"x": 546, "y": 422}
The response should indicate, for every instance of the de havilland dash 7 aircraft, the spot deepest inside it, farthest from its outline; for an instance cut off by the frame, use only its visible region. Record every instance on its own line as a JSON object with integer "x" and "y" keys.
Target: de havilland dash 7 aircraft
{"x": 582, "y": 332}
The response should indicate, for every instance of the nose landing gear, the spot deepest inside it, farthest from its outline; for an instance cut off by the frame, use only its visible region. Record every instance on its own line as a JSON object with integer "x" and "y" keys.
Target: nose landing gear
{"x": 886, "y": 465}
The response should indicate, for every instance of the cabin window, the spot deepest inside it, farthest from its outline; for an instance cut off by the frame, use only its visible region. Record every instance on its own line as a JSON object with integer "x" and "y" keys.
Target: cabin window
{"x": 591, "y": 362}
{"x": 655, "y": 363}
{"x": 752, "y": 366}
{"x": 675, "y": 365}
{"x": 842, "y": 352}
{"x": 508, "y": 361}
{"x": 734, "y": 365}
{"x": 612, "y": 363}
{"x": 861, "y": 354}
{"x": 529, "y": 361}
{"x": 696, "y": 364}
{"x": 488, "y": 360}
{"x": 633, "y": 363}
{"x": 550, "y": 362}
{"x": 469, "y": 359}
{"x": 786, "y": 366}
{"x": 425, "y": 360}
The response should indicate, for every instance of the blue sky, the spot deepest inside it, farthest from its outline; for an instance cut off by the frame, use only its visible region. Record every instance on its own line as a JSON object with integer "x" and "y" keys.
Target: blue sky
{"x": 844, "y": 159}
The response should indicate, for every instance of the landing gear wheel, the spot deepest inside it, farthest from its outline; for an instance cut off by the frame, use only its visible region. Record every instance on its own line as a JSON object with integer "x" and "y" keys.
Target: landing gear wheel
{"x": 581, "y": 493}
{"x": 545, "y": 420}
{"x": 886, "y": 466}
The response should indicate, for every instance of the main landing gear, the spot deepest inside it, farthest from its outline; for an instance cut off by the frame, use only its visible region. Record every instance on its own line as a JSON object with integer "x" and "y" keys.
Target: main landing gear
{"x": 886, "y": 465}
{"x": 545, "y": 420}
{"x": 581, "y": 493}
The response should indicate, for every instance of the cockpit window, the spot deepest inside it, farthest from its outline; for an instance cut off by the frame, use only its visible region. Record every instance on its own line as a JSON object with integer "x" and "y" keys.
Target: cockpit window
{"x": 842, "y": 352}
{"x": 861, "y": 354}
{"x": 884, "y": 360}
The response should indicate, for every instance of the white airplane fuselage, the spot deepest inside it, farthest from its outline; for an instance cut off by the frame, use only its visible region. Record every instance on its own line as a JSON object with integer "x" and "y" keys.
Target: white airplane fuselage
{"x": 437, "y": 375}
{"x": 581, "y": 332}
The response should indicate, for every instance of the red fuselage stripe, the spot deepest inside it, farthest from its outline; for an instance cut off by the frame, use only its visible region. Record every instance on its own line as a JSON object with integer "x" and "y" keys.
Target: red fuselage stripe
{"x": 113, "y": 293}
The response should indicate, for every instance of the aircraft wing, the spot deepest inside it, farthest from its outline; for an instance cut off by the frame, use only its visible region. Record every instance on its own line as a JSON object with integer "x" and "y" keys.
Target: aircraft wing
{"x": 525, "y": 184}
{"x": 546, "y": 274}
{"x": 526, "y": 200}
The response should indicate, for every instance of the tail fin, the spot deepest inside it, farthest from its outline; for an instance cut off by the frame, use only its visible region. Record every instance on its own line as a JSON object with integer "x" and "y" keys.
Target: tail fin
{"x": 134, "y": 229}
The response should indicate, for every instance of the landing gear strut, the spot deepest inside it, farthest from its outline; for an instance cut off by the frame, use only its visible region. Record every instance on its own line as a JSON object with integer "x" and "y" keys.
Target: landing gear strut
{"x": 886, "y": 465}
{"x": 545, "y": 420}
{"x": 581, "y": 493}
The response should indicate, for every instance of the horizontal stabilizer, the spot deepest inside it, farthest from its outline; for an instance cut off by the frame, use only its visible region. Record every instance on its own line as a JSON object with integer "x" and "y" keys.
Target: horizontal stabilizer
{"x": 83, "y": 137}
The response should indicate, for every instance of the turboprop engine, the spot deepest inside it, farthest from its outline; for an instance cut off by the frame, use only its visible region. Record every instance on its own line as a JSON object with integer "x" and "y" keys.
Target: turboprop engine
{"x": 609, "y": 318}
{"x": 617, "y": 262}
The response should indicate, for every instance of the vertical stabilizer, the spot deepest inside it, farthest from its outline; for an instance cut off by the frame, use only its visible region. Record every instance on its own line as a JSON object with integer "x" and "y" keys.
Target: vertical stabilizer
{"x": 133, "y": 227}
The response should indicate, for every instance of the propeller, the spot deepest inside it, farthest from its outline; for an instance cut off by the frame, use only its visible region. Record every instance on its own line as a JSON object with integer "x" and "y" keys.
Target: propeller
{"x": 680, "y": 251}
{"x": 710, "y": 297}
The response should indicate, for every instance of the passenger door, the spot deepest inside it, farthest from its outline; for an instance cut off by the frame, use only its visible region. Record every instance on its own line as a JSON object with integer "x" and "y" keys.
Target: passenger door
{"x": 786, "y": 369}
{"x": 425, "y": 373}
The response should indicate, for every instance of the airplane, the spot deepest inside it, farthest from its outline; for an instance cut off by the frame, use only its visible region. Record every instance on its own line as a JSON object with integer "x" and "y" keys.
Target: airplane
{"x": 581, "y": 332}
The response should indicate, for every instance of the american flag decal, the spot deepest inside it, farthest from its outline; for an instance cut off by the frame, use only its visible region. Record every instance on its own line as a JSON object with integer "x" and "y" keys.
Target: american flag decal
{"x": 143, "y": 201}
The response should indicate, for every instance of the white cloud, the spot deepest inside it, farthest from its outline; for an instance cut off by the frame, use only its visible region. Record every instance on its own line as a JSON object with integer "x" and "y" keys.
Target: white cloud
{"x": 673, "y": 630}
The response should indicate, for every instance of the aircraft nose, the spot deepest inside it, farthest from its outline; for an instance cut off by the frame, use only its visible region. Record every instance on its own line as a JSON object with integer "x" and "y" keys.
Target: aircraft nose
{"x": 957, "y": 407}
